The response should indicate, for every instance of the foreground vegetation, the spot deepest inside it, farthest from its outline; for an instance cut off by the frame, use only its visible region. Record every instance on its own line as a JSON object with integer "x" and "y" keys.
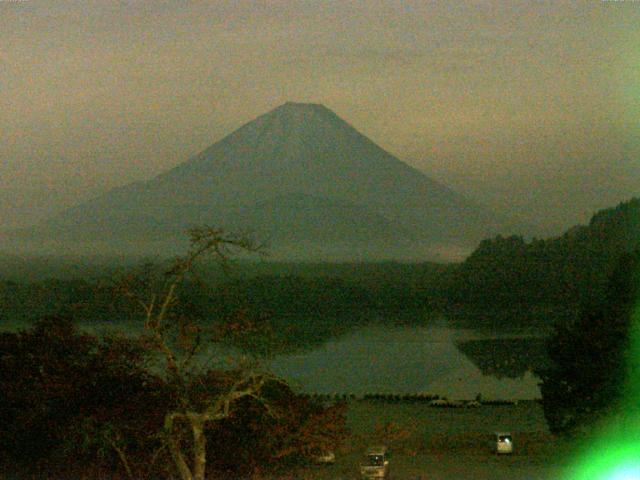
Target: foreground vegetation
{"x": 79, "y": 405}
{"x": 141, "y": 407}
{"x": 76, "y": 406}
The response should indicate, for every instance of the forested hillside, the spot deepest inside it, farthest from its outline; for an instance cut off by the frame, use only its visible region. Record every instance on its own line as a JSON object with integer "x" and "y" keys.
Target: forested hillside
{"x": 506, "y": 281}
{"x": 511, "y": 272}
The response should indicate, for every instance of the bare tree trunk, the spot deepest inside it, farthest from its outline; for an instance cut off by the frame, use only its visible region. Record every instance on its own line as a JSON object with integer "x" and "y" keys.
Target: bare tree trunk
{"x": 222, "y": 246}
{"x": 183, "y": 469}
{"x": 199, "y": 446}
{"x": 197, "y": 422}
{"x": 123, "y": 459}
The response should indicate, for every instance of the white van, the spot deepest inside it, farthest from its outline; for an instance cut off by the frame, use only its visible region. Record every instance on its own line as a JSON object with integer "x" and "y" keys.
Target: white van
{"x": 503, "y": 442}
{"x": 375, "y": 464}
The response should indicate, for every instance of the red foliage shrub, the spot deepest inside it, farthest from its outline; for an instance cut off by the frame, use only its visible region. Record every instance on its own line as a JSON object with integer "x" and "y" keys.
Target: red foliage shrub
{"x": 74, "y": 405}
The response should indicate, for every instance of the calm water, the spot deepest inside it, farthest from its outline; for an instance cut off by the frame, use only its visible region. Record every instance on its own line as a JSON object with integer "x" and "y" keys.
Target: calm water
{"x": 380, "y": 358}
{"x": 394, "y": 359}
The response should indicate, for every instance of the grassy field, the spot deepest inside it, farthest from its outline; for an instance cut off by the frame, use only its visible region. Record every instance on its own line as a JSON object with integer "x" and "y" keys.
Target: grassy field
{"x": 436, "y": 443}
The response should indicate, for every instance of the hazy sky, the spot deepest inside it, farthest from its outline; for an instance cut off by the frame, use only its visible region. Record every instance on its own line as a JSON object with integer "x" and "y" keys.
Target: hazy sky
{"x": 530, "y": 107}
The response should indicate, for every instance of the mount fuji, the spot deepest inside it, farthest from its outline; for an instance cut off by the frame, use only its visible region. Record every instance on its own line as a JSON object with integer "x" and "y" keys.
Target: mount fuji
{"x": 301, "y": 179}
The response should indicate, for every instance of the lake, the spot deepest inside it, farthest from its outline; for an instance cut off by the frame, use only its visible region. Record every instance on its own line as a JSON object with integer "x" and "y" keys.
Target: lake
{"x": 407, "y": 360}
{"x": 384, "y": 357}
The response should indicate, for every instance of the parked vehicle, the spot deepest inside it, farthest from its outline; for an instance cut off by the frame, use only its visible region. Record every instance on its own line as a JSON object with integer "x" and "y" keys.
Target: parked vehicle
{"x": 375, "y": 464}
{"x": 503, "y": 443}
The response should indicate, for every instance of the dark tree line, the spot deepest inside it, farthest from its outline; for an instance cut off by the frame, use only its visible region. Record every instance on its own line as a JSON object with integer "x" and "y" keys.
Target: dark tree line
{"x": 552, "y": 274}
{"x": 593, "y": 366}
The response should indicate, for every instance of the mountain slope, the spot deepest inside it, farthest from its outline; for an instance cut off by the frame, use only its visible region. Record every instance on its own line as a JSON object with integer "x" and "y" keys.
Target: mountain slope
{"x": 294, "y": 151}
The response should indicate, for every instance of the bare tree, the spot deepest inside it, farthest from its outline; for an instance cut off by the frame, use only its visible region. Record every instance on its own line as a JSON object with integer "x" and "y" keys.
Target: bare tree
{"x": 160, "y": 327}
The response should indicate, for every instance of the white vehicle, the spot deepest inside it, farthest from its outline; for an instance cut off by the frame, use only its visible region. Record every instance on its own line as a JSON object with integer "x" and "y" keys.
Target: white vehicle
{"x": 375, "y": 464}
{"x": 503, "y": 443}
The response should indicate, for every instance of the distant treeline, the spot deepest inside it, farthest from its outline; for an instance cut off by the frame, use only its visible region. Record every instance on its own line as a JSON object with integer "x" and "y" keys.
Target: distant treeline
{"x": 506, "y": 281}
{"x": 284, "y": 312}
{"x": 285, "y": 289}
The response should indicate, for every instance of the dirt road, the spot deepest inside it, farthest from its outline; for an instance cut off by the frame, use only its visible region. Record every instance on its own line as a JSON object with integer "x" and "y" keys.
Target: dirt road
{"x": 446, "y": 444}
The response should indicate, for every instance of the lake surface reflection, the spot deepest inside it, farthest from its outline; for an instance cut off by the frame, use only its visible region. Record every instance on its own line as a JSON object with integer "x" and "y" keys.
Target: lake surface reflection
{"x": 401, "y": 360}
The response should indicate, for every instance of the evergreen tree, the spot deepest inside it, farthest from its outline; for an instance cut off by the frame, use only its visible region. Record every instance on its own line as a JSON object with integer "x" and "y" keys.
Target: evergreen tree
{"x": 589, "y": 367}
